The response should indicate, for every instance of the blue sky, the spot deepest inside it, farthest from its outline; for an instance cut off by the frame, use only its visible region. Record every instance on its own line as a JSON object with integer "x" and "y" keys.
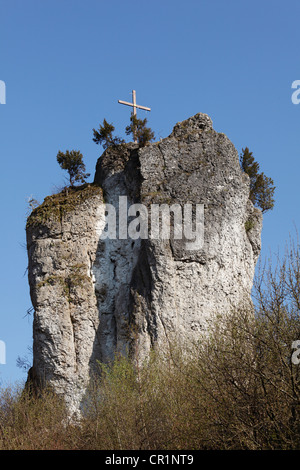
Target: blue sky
{"x": 67, "y": 62}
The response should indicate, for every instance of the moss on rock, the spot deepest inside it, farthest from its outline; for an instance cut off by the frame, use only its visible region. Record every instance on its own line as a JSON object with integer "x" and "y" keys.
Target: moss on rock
{"x": 57, "y": 205}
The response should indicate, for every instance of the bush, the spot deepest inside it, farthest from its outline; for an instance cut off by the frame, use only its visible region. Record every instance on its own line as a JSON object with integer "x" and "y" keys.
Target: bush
{"x": 236, "y": 388}
{"x": 261, "y": 186}
{"x": 32, "y": 423}
{"x": 72, "y": 162}
{"x": 104, "y": 136}
{"x": 140, "y": 132}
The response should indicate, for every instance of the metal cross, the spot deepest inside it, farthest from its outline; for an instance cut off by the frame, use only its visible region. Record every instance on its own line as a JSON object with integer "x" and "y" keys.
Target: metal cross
{"x": 134, "y": 105}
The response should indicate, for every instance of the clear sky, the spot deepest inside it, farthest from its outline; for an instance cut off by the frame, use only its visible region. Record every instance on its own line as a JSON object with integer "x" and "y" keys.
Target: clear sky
{"x": 66, "y": 63}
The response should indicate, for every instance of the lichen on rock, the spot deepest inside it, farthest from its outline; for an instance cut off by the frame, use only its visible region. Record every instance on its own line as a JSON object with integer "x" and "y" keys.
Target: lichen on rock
{"x": 54, "y": 207}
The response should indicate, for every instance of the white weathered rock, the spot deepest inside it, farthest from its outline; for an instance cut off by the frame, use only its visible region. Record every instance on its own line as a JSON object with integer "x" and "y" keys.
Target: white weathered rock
{"x": 93, "y": 297}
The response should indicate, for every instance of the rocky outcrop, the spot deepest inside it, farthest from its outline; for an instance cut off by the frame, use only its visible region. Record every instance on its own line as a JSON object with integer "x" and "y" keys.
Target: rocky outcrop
{"x": 95, "y": 293}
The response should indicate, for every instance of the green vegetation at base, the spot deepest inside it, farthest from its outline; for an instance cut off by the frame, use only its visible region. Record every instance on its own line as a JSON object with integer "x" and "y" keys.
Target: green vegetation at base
{"x": 236, "y": 388}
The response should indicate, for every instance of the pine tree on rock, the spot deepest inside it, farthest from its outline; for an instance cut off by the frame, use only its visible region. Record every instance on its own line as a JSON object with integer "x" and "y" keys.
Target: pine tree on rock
{"x": 141, "y": 133}
{"x": 72, "y": 162}
{"x": 104, "y": 136}
{"x": 263, "y": 192}
{"x": 261, "y": 186}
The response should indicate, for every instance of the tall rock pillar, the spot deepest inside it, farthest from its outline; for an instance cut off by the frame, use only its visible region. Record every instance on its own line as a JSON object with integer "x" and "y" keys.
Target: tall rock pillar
{"x": 95, "y": 295}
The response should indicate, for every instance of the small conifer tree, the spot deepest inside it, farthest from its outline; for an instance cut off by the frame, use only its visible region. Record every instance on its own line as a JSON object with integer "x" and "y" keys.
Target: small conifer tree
{"x": 140, "y": 131}
{"x": 72, "y": 162}
{"x": 105, "y": 137}
{"x": 263, "y": 192}
{"x": 261, "y": 187}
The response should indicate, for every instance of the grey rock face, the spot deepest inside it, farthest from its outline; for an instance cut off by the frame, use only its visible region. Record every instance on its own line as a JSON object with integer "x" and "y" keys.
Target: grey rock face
{"x": 93, "y": 295}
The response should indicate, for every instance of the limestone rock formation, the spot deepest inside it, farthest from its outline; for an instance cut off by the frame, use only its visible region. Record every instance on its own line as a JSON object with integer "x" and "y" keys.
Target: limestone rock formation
{"x": 94, "y": 296}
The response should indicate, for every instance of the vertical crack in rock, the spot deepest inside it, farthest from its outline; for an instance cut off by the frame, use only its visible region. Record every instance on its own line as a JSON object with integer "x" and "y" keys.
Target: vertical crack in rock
{"x": 93, "y": 296}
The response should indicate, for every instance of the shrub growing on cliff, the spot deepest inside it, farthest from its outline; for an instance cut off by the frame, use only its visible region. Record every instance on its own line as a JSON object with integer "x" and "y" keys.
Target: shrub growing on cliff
{"x": 140, "y": 132}
{"x": 72, "y": 162}
{"x": 105, "y": 137}
{"x": 137, "y": 127}
{"x": 237, "y": 388}
{"x": 33, "y": 423}
{"x": 261, "y": 187}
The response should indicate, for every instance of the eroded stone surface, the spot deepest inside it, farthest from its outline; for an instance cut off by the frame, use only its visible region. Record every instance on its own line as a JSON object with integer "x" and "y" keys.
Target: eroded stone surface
{"x": 94, "y": 296}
